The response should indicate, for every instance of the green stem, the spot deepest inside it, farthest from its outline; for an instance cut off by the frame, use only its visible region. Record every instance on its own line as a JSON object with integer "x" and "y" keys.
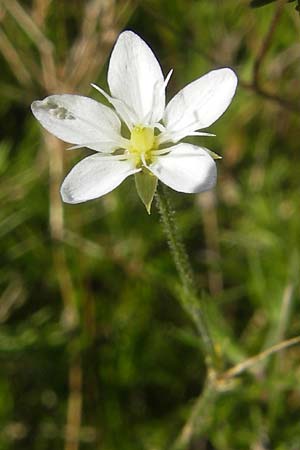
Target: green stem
{"x": 190, "y": 300}
{"x": 198, "y": 419}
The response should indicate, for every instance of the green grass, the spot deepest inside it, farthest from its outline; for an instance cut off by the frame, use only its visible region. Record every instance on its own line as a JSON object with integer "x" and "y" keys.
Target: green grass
{"x": 100, "y": 307}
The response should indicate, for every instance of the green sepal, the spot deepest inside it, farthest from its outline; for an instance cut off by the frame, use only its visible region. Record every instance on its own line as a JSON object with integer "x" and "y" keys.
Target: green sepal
{"x": 146, "y": 184}
{"x": 213, "y": 154}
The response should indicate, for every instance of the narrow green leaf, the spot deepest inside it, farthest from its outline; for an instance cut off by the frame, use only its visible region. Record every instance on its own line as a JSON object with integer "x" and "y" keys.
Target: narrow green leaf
{"x": 146, "y": 184}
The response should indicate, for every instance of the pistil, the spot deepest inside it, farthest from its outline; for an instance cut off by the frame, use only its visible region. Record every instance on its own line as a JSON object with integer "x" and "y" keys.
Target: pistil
{"x": 142, "y": 143}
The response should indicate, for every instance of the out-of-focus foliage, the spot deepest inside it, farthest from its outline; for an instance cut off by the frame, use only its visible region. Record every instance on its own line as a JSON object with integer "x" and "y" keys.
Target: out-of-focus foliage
{"x": 95, "y": 352}
{"x": 259, "y": 3}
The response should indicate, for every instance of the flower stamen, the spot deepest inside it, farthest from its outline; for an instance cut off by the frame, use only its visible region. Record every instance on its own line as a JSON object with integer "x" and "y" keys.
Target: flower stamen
{"x": 141, "y": 145}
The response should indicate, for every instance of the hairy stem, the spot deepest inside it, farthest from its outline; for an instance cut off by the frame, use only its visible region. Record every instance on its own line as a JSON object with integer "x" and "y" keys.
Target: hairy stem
{"x": 189, "y": 298}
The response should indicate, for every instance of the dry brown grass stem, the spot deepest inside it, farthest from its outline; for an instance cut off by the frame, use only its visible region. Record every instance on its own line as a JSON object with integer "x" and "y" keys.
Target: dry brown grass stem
{"x": 200, "y": 414}
{"x": 82, "y": 65}
{"x": 86, "y": 58}
{"x": 250, "y": 362}
{"x": 40, "y": 11}
{"x": 253, "y": 85}
{"x": 272, "y": 97}
{"x": 267, "y": 42}
{"x": 256, "y": 85}
{"x": 14, "y": 60}
{"x": 89, "y": 52}
{"x": 84, "y": 47}
{"x": 45, "y": 47}
{"x": 26, "y": 22}
{"x": 72, "y": 438}
{"x": 55, "y": 148}
{"x": 56, "y": 222}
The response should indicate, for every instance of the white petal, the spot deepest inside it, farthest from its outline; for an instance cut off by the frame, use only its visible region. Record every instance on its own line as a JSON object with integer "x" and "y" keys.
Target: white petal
{"x": 186, "y": 168}
{"x": 79, "y": 120}
{"x": 200, "y": 103}
{"x": 128, "y": 116}
{"x": 93, "y": 177}
{"x": 135, "y": 77}
{"x": 165, "y": 136}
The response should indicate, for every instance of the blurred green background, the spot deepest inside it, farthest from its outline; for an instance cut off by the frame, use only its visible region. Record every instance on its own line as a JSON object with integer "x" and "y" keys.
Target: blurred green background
{"x": 95, "y": 350}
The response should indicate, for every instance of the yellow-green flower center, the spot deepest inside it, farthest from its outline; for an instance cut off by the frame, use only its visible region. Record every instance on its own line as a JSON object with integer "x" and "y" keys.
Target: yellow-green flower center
{"x": 142, "y": 142}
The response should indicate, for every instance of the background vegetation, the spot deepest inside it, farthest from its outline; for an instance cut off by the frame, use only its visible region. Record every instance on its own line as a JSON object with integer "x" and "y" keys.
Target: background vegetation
{"x": 95, "y": 350}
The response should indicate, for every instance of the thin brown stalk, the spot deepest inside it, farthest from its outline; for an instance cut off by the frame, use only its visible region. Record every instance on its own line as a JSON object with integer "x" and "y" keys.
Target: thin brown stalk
{"x": 80, "y": 51}
{"x": 40, "y": 11}
{"x": 250, "y": 362}
{"x": 92, "y": 46}
{"x": 253, "y": 86}
{"x": 74, "y": 412}
{"x": 56, "y": 221}
{"x": 14, "y": 60}
{"x": 216, "y": 383}
{"x": 25, "y": 22}
{"x": 267, "y": 41}
{"x": 55, "y": 148}
{"x": 70, "y": 314}
{"x": 44, "y": 46}
{"x": 274, "y": 98}
{"x": 112, "y": 21}
{"x": 99, "y": 30}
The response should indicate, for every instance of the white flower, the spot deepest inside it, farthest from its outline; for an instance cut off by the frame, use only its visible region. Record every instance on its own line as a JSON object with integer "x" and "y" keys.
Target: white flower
{"x": 148, "y": 145}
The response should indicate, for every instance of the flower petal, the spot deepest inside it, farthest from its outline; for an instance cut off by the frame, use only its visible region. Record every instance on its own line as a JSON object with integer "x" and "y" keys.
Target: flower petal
{"x": 126, "y": 114}
{"x": 200, "y": 103}
{"x": 79, "y": 120}
{"x": 95, "y": 176}
{"x": 186, "y": 168}
{"x": 135, "y": 77}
